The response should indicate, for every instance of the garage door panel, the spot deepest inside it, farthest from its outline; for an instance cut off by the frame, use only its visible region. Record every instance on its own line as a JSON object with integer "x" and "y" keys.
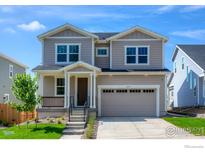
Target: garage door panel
{"x": 128, "y": 104}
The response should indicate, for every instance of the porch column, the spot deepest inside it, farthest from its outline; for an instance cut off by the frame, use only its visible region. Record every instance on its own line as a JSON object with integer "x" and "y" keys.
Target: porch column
{"x": 65, "y": 89}
{"x": 68, "y": 91}
{"x": 40, "y": 85}
{"x": 94, "y": 90}
{"x": 91, "y": 90}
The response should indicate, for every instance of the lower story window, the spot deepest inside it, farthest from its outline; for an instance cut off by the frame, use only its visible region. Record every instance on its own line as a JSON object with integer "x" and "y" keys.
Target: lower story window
{"x": 60, "y": 86}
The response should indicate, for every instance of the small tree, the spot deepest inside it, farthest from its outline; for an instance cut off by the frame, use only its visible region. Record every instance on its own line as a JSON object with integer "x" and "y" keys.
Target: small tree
{"x": 24, "y": 87}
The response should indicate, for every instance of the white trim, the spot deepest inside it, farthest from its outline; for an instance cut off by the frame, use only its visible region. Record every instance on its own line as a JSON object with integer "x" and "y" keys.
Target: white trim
{"x": 110, "y": 54}
{"x": 96, "y": 51}
{"x": 91, "y": 90}
{"x": 117, "y": 40}
{"x": 198, "y": 91}
{"x": 94, "y": 90}
{"x": 188, "y": 58}
{"x": 65, "y": 89}
{"x": 140, "y": 29}
{"x": 93, "y": 52}
{"x": 64, "y": 27}
{"x": 13, "y": 60}
{"x": 67, "y": 37}
{"x": 68, "y": 90}
{"x": 11, "y": 71}
{"x": 133, "y": 73}
{"x": 136, "y": 55}
{"x": 80, "y": 63}
{"x": 157, "y": 87}
{"x": 68, "y": 53}
{"x": 76, "y": 90}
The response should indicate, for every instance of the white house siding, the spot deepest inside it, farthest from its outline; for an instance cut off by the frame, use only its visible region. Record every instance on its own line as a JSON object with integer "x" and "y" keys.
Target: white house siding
{"x": 183, "y": 95}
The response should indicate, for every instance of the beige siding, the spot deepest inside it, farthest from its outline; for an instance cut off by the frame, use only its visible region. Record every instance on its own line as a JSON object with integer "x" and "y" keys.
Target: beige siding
{"x": 102, "y": 62}
{"x": 67, "y": 33}
{"x": 79, "y": 69}
{"x": 5, "y": 81}
{"x": 136, "y": 80}
{"x": 118, "y": 54}
{"x": 49, "y": 49}
{"x": 137, "y": 35}
{"x": 49, "y": 86}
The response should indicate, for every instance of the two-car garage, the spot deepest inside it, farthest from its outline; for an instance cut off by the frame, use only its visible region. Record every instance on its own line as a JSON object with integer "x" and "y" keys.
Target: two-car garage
{"x": 128, "y": 100}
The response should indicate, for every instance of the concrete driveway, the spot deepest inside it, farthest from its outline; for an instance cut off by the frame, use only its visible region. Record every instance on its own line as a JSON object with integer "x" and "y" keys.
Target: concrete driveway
{"x": 138, "y": 128}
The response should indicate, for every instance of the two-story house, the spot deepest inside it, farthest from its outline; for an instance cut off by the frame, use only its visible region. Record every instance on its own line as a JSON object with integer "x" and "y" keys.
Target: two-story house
{"x": 118, "y": 74}
{"x": 9, "y": 67}
{"x": 188, "y": 75}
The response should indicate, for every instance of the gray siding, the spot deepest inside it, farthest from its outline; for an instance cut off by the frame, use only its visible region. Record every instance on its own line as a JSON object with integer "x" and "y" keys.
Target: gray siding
{"x": 155, "y": 58}
{"x": 136, "y": 80}
{"x": 5, "y": 81}
{"x": 69, "y": 33}
{"x": 137, "y": 35}
{"x": 49, "y": 49}
{"x": 102, "y": 62}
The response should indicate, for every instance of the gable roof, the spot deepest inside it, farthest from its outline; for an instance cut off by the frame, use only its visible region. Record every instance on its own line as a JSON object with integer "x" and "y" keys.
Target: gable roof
{"x": 194, "y": 51}
{"x": 138, "y": 28}
{"x": 12, "y": 60}
{"x": 104, "y": 36}
{"x": 64, "y": 27}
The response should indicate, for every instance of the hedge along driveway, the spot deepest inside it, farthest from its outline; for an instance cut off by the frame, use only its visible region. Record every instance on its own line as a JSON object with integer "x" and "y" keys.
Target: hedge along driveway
{"x": 42, "y": 131}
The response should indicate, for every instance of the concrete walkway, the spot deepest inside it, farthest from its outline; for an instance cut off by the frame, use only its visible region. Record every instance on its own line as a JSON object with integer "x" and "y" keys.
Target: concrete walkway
{"x": 138, "y": 128}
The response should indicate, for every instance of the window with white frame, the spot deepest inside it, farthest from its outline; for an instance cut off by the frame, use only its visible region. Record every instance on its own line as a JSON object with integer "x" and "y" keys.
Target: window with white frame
{"x": 11, "y": 71}
{"x": 60, "y": 86}
{"x": 66, "y": 53}
{"x": 182, "y": 63}
{"x": 101, "y": 52}
{"x": 175, "y": 67}
{"x": 136, "y": 55}
{"x": 195, "y": 87}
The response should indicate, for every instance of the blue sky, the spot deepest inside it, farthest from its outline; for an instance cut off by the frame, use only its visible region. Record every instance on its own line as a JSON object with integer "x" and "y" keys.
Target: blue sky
{"x": 20, "y": 25}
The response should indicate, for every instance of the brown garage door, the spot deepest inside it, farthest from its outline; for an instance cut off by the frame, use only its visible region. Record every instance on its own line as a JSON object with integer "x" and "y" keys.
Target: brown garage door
{"x": 128, "y": 102}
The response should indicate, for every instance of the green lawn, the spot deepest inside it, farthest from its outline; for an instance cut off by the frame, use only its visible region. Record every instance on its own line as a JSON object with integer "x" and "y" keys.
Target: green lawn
{"x": 43, "y": 131}
{"x": 195, "y": 126}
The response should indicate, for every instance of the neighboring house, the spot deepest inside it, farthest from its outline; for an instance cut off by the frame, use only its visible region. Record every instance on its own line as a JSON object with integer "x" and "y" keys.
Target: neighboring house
{"x": 119, "y": 74}
{"x": 170, "y": 86}
{"x": 8, "y": 69}
{"x": 188, "y": 79}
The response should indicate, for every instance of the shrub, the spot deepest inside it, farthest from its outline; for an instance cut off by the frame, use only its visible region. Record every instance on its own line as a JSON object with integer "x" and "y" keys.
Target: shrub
{"x": 1, "y": 122}
{"x": 90, "y": 126}
{"x": 6, "y": 124}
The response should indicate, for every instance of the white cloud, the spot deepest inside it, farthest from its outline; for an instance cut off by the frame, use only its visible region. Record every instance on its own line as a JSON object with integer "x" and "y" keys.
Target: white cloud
{"x": 194, "y": 34}
{"x": 192, "y": 8}
{"x": 165, "y": 9}
{"x": 32, "y": 26}
{"x": 10, "y": 30}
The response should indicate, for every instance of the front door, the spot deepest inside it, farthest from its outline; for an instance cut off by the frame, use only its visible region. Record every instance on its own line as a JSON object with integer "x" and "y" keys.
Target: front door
{"x": 82, "y": 91}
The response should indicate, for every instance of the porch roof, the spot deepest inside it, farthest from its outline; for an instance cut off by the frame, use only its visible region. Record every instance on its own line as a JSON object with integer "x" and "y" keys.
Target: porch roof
{"x": 65, "y": 67}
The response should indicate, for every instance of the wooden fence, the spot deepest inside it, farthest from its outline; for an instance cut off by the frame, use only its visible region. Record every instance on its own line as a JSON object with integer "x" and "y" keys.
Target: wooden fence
{"x": 11, "y": 116}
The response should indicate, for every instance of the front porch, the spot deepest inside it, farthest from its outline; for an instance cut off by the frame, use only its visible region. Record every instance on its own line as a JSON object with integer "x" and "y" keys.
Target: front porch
{"x": 74, "y": 86}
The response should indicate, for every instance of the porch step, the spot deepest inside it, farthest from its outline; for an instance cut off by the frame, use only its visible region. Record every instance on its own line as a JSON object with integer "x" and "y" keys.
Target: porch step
{"x": 75, "y": 127}
{"x": 70, "y": 131}
{"x": 75, "y": 123}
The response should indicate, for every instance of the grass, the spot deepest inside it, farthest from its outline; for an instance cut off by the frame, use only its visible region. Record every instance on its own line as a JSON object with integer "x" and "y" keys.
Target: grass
{"x": 42, "y": 131}
{"x": 90, "y": 126}
{"x": 195, "y": 126}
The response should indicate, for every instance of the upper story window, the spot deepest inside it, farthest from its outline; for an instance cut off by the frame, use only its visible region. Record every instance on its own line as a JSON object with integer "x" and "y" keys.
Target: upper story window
{"x": 187, "y": 73}
{"x": 101, "y": 52}
{"x": 11, "y": 71}
{"x": 182, "y": 63}
{"x": 60, "y": 86}
{"x": 136, "y": 55}
{"x": 190, "y": 80}
{"x": 66, "y": 53}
